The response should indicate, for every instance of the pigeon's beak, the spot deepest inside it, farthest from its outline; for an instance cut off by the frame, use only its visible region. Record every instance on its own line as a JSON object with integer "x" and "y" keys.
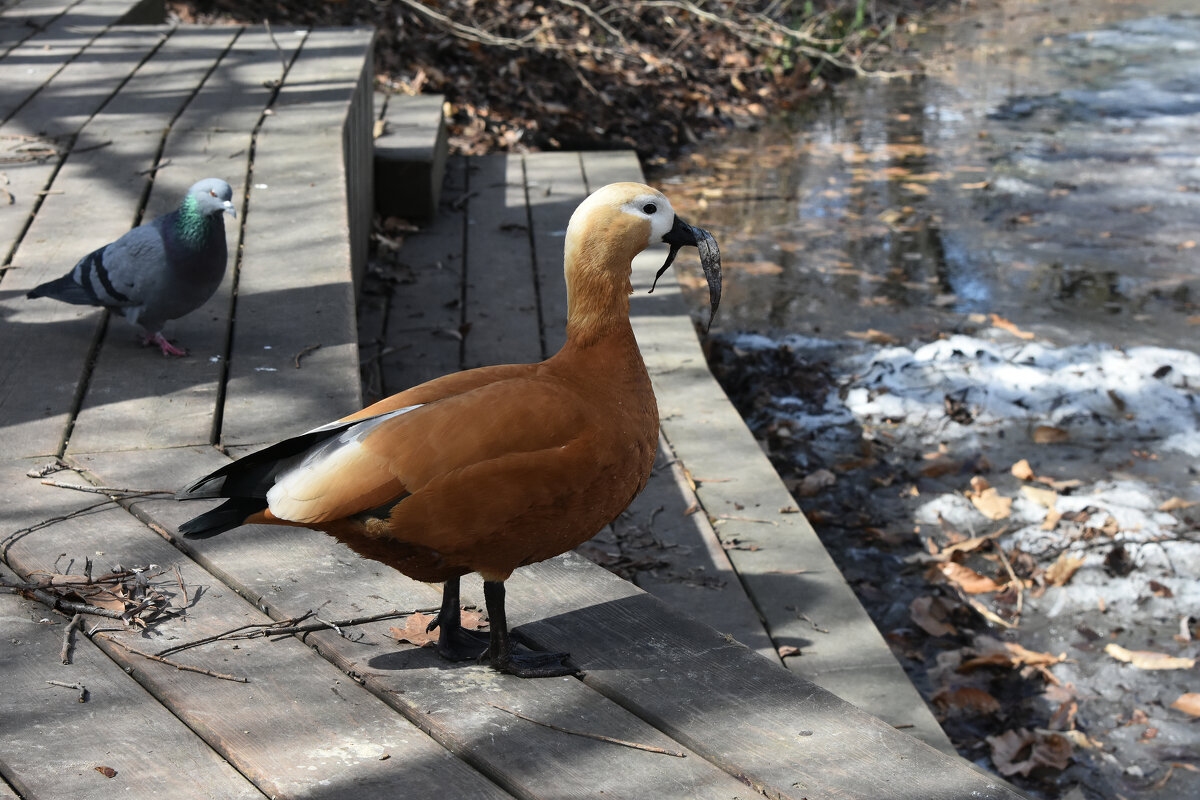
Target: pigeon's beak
{"x": 229, "y": 209}
{"x": 682, "y": 234}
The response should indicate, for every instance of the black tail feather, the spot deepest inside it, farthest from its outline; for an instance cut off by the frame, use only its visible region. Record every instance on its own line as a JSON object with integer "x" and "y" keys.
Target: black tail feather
{"x": 224, "y": 517}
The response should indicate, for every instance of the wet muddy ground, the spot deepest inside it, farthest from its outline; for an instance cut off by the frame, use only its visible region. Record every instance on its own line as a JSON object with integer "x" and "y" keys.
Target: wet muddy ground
{"x": 962, "y": 314}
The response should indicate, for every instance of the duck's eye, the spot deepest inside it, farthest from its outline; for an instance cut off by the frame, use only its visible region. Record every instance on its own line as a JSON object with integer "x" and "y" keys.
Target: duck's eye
{"x": 649, "y": 209}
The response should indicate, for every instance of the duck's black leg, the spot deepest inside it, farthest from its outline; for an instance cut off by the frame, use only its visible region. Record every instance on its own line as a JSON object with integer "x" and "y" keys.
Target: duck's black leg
{"x": 501, "y": 653}
{"x": 454, "y": 643}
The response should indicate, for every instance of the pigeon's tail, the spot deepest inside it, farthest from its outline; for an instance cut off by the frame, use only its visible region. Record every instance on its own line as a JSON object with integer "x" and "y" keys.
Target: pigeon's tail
{"x": 66, "y": 290}
{"x": 227, "y": 516}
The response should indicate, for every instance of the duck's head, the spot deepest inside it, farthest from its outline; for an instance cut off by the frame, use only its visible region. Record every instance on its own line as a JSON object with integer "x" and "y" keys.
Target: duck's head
{"x": 618, "y": 221}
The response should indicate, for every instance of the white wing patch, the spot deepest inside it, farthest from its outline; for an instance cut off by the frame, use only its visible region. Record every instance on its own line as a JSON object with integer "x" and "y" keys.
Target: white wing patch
{"x": 304, "y": 481}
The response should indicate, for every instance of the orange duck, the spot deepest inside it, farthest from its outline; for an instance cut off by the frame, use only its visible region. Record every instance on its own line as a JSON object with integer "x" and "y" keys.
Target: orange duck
{"x": 492, "y": 468}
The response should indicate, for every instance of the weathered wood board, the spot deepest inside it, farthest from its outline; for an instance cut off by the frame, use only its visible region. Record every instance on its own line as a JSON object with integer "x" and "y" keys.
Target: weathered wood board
{"x": 53, "y": 743}
{"x": 450, "y": 702}
{"x": 297, "y": 722}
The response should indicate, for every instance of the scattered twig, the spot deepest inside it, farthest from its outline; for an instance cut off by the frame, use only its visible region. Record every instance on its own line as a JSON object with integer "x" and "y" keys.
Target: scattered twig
{"x": 79, "y": 687}
{"x": 186, "y": 667}
{"x": 291, "y": 626}
{"x": 182, "y": 588}
{"x": 649, "y": 748}
{"x": 61, "y": 604}
{"x": 91, "y": 147}
{"x": 278, "y": 49}
{"x": 109, "y": 490}
{"x": 9, "y": 540}
{"x": 155, "y": 168}
{"x": 303, "y": 353}
{"x": 1013, "y": 579}
{"x": 69, "y": 638}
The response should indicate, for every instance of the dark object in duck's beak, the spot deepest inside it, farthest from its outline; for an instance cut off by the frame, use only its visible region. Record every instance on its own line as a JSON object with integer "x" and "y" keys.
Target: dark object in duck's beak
{"x": 710, "y": 258}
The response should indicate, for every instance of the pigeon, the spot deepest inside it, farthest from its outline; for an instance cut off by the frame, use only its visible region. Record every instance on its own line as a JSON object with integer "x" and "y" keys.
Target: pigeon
{"x": 158, "y": 271}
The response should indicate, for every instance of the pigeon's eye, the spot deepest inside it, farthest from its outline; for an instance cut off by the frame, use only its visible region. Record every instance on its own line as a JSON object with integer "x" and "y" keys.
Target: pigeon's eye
{"x": 211, "y": 192}
{"x": 649, "y": 209}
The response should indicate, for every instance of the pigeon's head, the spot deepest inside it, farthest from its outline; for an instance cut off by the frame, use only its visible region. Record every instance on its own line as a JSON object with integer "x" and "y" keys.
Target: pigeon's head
{"x": 629, "y": 217}
{"x": 213, "y": 196}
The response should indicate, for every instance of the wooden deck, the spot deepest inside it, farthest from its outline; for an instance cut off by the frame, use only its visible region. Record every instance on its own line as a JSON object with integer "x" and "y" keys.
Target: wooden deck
{"x": 105, "y": 125}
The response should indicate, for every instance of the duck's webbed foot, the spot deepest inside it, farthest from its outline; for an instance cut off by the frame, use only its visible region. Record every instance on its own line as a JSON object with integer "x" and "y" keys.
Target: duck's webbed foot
{"x": 502, "y": 655}
{"x": 454, "y": 642}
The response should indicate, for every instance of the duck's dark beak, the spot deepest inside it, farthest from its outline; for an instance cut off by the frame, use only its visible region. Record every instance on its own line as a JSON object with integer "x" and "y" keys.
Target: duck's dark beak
{"x": 682, "y": 234}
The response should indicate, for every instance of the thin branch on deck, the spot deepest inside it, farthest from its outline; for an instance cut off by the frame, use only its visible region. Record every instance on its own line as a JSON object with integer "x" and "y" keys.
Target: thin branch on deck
{"x": 649, "y": 748}
{"x": 185, "y": 667}
{"x": 79, "y": 687}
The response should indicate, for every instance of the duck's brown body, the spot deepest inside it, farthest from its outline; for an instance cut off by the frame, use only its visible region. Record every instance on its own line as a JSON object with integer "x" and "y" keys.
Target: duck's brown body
{"x": 493, "y": 468}
{"x": 503, "y": 466}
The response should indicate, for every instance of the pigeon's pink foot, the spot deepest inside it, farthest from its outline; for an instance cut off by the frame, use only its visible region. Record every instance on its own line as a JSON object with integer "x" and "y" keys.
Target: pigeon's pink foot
{"x": 166, "y": 347}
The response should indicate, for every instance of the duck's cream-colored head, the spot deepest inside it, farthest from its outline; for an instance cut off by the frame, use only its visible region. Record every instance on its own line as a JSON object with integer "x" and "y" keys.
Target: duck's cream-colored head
{"x": 606, "y": 232}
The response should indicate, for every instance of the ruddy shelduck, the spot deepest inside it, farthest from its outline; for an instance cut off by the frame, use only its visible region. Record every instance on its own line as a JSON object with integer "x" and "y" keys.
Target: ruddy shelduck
{"x": 493, "y": 468}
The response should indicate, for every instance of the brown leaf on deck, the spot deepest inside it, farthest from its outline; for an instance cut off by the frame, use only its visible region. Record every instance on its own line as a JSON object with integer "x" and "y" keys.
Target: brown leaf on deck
{"x": 107, "y": 772}
{"x": 1146, "y": 659}
{"x": 414, "y": 629}
{"x": 873, "y": 336}
{"x": 990, "y": 503}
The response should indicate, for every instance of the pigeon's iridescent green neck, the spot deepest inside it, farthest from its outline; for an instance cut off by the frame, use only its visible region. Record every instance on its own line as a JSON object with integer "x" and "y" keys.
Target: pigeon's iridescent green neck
{"x": 191, "y": 226}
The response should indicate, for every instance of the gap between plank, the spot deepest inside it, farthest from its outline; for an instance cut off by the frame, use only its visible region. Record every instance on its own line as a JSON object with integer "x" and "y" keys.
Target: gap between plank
{"x": 214, "y": 436}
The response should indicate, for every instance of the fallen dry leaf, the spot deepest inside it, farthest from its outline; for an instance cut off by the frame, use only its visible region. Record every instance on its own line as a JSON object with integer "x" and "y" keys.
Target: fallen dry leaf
{"x": 967, "y": 698}
{"x": 968, "y": 579}
{"x": 414, "y": 630}
{"x": 1175, "y": 503}
{"x": 1188, "y": 703}
{"x": 1146, "y": 659}
{"x": 991, "y": 503}
{"x": 1048, "y": 434}
{"x": 994, "y": 653}
{"x": 1160, "y": 590}
{"x": 873, "y": 336}
{"x": 1043, "y": 497}
{"x": 1020, "y": 751}
{"x": 1062, "y": 570}
{"x": 1005, "y": 325}
{"x": 930, "y": 614}
{"x": 787, "y": 650}
{"x": 1051, "y": 520}
{"x": 107, "y": 772}
{"x": 1022, "y": 471}
{"x": 814, "y": 482}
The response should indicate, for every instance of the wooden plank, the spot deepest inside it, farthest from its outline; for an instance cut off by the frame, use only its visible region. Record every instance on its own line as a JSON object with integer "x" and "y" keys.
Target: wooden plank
{"x": 298, "y": 722}
{"x": 422, "y": 339}
{"x": 603, "y": 167}
{"x": 788, "y": 736}
{"x": 693, "y": 574}
{"x": 298, "y": 204}
{"x": 52, "y": 743}
{"x": 285, "y": 569}
{"x": 555, "y": 186}
{"x": 501, "y": 301}
{"x": 83, "y": 86}
{"x": 234, "y": 96}
{"x": 21, "y": 20}
{"x": 28, "y": 66}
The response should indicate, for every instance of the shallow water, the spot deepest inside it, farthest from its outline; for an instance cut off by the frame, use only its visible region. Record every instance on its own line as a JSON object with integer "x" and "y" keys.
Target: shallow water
{"x": 1045, "y": 169}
